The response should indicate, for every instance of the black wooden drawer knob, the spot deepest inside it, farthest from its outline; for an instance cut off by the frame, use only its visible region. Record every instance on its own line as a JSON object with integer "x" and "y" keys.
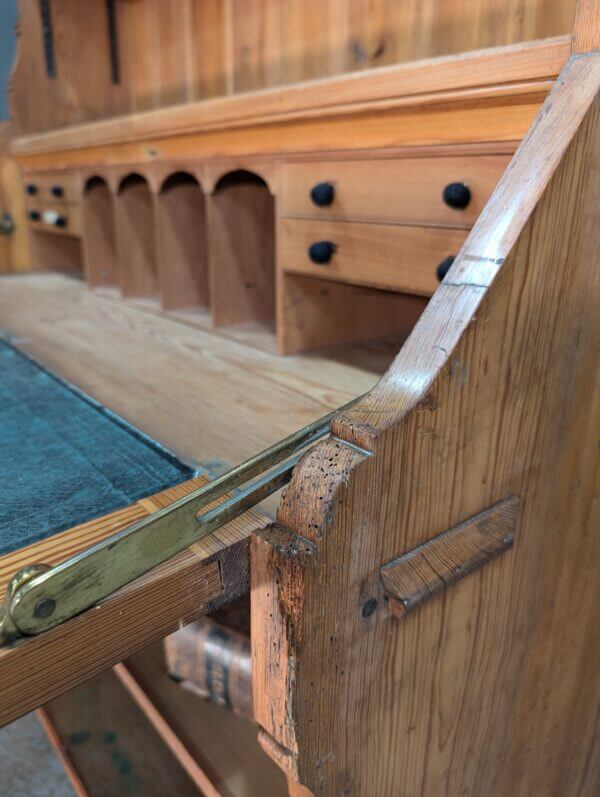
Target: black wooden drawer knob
{"x": 444, "y": 267}
{"x": 60, "y": 221}
{"x": 57, "y": 190}
{"x": 457, "y": 195}
{"x": 34, "y": 215}
{"x": 321, "y": 252}
{"x": 322, "y": 194}
{"x": 32, "y": 189}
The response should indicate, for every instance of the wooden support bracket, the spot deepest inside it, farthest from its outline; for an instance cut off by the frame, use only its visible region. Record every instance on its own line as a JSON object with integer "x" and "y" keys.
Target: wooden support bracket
{"x": 416, "y": 576}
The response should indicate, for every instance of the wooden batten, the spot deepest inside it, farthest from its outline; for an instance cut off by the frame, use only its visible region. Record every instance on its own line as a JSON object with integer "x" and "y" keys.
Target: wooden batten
{"x": 416, "y": 576}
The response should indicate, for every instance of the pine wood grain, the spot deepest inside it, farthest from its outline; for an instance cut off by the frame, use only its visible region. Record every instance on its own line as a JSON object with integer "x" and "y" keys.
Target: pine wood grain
{"x": 495, "y": 393}
{"x": 586, "y": 29}
{"x": 37, "y": 669}
{"x": 406, "y": 190}
{"x": 393, "y": 256}
{"x": 434, "y": 566}
{"x": 142, "y": 67}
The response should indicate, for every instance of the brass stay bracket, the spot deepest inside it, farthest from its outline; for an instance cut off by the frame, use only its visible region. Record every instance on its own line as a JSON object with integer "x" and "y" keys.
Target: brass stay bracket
{"x": 40, "y": 597}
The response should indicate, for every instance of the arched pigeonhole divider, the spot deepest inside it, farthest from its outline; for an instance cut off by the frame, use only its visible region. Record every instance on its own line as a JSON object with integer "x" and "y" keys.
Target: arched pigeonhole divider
{"x": 182, "y": 248}
{"x": 136, "y": 236}
{"x": 242, "y": 250}
{"x": 101, "y": 264}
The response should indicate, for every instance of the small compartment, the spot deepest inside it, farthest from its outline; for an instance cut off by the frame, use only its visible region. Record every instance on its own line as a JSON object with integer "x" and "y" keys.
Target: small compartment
{"x": 51, "y": 252}
{"x": 99, "y": 234}
{"x": 182, "y": 243}
{"x": 318, "y": 313}
{"x": 136, "y": 238}
{"x": 242, "y": 251}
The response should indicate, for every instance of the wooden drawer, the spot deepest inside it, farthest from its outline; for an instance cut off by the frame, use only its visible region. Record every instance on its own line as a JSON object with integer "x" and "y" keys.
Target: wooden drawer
{"x": 395, "y": 257}
{"x": 406, "y": 190}
{"x": 47, "y": 218}
{"x": 54, "y": 188}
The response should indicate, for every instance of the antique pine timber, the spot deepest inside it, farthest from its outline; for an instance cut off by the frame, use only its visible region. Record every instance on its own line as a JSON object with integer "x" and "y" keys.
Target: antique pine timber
{"x": 387, "y": 283}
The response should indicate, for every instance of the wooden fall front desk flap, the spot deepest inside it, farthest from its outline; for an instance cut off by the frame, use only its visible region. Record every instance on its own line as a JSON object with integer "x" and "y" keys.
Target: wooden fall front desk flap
{"x": 423, "y": 609}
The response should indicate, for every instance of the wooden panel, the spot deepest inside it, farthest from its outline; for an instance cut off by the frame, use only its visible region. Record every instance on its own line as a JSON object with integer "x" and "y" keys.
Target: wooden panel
{"x": 586, "y": 30}
{"x": 82, "y": 89}
{"x": 416, "y": 576}
{"x": 54, "y": 250}
{"x": 15, "y": 247}
{"x": 37, "y": 669}
{"x": 494, "y": 393}
{"x": 189, "y": 49}
{"x": 317, "y": 313}
{"x": 100, "y": 343}
{"x": 381, "y": 255}
{"x": 405, "y": 189}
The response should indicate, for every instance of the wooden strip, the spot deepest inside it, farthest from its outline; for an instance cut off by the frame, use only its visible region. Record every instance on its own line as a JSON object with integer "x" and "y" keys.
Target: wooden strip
{"x": 416, "y": 576}
{"x": 61, "y": 752}
{"x": 42, "y": 667}
{"x": 165, "y": 731}
{"x": 532, "y": 61}
{"x": 37, "y": 669}
{"x": 475, "y": 116}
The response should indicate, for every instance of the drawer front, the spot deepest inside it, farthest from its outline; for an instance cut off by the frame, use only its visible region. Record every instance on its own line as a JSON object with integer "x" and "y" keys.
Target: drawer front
{"x": 57, "y": 218}
{"x": 406, "y": 190}
{"x": 395, "y": 257}
{"x": 54, "y": 188}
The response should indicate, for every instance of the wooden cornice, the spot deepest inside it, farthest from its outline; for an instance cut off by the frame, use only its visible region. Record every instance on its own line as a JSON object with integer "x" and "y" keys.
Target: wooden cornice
{"x": 512, "y": 74}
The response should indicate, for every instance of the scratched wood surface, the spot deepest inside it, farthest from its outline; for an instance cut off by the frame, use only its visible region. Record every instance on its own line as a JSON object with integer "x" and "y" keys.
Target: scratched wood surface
{"x": 495, "y": 393}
